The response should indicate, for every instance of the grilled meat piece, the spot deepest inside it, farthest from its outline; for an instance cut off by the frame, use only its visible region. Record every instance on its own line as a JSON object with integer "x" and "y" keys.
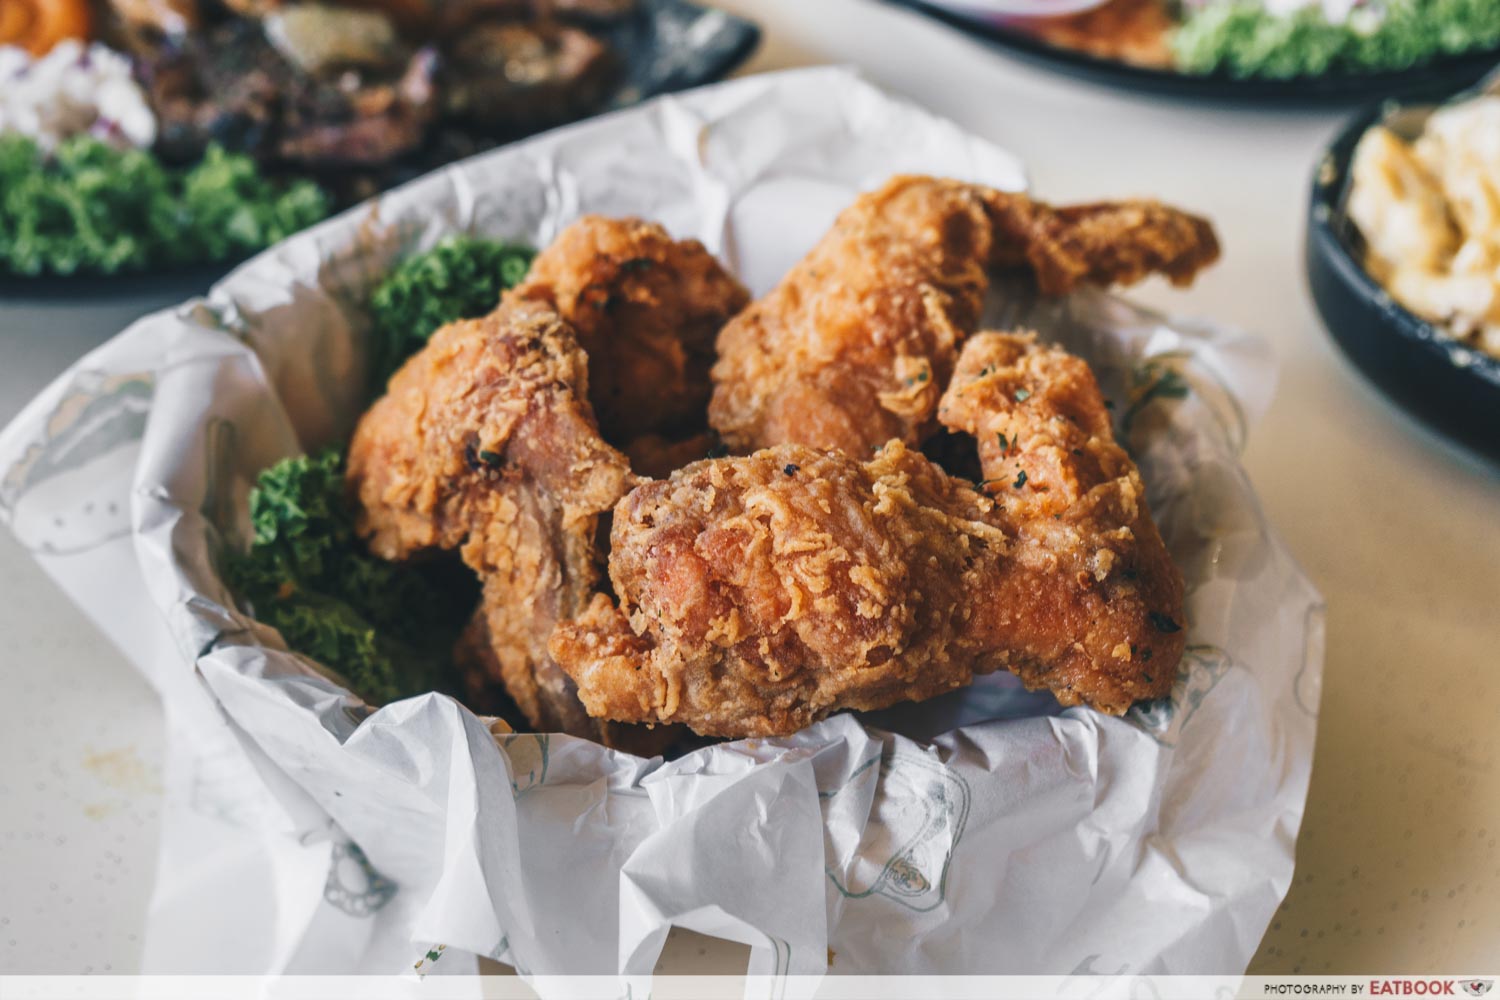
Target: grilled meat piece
{"x": 230, "y": 85}
{"x": 521, "y": 75}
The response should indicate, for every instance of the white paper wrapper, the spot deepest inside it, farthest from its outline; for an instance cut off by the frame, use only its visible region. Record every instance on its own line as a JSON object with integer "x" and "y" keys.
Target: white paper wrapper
{"x": 996, "y": 833}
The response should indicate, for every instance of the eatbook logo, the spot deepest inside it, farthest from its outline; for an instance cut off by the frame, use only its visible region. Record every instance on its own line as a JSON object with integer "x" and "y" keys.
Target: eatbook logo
{"x": 1478, "y": 987}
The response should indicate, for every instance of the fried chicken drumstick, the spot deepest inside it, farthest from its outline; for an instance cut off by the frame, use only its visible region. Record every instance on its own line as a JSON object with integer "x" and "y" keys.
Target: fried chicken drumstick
{"x": 759, "y": 594}
{"x": 853, "y": 348}
{"x": 487, "y": 442}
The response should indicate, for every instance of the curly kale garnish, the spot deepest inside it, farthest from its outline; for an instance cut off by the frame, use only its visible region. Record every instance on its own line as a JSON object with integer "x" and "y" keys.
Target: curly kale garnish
{"x": 460, "y": 278}
{"x": 386, "y": 627}
{"x": 89, "y": 208}
{"x": 1246, "y": 39}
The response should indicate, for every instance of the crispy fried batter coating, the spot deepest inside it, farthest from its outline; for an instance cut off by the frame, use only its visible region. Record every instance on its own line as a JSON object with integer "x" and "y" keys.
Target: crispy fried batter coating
{"x": 1104, "y": 599}
{"x": 487, "y": 441}
{"x": 489, "y": 405}
{"x": 853, "y": 347}
{"x": 759, "y": 594}
{"x": 647, "y": 309}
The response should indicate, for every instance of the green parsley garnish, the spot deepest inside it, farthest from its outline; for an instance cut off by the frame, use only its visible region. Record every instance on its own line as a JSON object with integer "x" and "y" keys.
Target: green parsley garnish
{"x": 1244, "y": 39}
{"x": 1020, "y": 479}
{"x": 1022, "y": 395}
{"x": 460, "y": 278}
{"x": 93, "y": 209}
{"x": 388, "y": 628}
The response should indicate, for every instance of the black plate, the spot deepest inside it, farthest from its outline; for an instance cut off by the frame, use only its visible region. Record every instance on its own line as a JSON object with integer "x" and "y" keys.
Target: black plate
{"x": 1453, "y": 388}
{"x": 1439, "y": 76}
{"x": 666, "y": 46}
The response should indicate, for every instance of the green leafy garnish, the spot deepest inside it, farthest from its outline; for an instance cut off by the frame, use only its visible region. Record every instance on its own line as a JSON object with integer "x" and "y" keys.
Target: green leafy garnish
{"x": 386, "y": 627}
{"x": 460, "y": 278}
{"x": 1020, "y": 479}
{"x": 1022, "y": 395}
{"x": 92, "y": 208}
{"x": 1244, "y": 39}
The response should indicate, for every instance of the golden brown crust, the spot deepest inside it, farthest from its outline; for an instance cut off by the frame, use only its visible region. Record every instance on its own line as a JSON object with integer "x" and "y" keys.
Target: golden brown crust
{"x": 759, "y": 594}
{"x": 1089, "y": 561}
{"x": 476, "y": 655}
{"x": 486, "y": 441}
{"x": 646, "y": 309}
{"x": 853, "y": 347}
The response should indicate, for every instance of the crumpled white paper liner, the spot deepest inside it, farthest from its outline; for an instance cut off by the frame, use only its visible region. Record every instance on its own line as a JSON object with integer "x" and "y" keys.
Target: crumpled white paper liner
{"x": 984, "y": 832}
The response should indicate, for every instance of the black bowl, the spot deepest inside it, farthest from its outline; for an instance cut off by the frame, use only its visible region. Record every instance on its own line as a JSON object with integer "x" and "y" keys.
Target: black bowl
{"x": 1443, "y": 74}
{"x": 1454, "y": 388}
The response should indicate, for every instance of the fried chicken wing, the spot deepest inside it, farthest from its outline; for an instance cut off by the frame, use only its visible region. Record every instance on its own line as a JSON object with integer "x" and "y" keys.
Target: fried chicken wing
{"x": 487, "y": 441}
{"x": 1093, "y": 583}
{"x": 758, "y": 594}
{"x": 853, "y": 347}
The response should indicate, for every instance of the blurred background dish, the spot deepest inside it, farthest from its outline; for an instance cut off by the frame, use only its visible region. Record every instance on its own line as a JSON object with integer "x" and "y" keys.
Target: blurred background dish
{"x": 1403, "y": 258}
{"x": 1291, "y": 51}
{"x": 151, "y": 135}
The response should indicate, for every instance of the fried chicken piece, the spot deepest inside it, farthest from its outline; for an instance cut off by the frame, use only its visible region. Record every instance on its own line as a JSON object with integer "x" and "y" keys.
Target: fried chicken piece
{"x": 487, "y": 406}
{"x": 759, "y": 594}
{"x": 1084, "y": 536}
{"x": 487, "y": 442}
{"x": 478, "y": 659}
{"x": 1037, "y": 411}
{"x": 647, "y": 309}
{"x": 853, "y": 347}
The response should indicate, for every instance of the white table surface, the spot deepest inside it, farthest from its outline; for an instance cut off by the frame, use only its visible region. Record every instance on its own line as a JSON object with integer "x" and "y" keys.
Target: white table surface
{"x": 1398, "y": 868}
